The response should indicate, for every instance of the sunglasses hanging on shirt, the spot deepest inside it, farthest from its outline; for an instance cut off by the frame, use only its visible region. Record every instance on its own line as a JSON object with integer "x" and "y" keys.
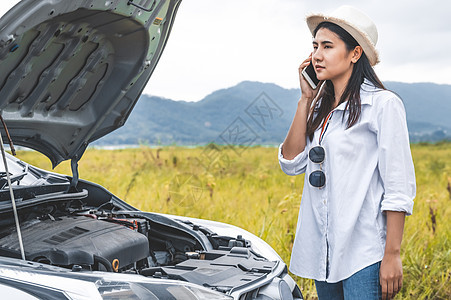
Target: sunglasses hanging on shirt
{"x": 317, "y": 155}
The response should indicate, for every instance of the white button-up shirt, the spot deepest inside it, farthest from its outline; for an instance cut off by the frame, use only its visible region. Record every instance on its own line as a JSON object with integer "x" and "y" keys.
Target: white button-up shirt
{"x": 368, "y": 170}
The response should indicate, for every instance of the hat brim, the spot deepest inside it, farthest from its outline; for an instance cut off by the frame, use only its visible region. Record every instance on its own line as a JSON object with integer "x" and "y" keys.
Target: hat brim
{"x": 361, "y": 37}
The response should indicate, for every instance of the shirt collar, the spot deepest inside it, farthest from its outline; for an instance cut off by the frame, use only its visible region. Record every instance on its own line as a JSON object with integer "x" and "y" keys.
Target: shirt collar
{"x": 367, "y": 90}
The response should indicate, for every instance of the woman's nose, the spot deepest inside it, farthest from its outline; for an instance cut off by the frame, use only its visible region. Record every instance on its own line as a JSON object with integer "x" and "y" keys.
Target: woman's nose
{"x": 317, "y": 55}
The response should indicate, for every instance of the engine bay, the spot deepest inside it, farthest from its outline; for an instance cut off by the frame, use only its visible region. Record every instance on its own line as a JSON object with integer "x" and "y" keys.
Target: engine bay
{"x": 71, "y": 235}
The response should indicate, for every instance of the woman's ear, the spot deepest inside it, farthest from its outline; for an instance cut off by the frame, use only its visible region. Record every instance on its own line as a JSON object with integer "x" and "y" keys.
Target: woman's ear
{"x": 356, "y": 54}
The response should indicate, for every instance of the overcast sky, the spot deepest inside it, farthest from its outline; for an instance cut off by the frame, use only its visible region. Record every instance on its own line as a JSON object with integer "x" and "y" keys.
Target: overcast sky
{"x": 216, "y": 44}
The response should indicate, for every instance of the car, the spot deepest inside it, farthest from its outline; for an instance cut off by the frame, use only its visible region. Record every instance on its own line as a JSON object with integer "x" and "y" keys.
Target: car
{"x": 71, "y": 72}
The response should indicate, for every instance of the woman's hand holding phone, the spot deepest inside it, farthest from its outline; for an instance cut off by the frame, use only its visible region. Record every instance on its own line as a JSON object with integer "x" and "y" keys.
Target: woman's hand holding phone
{"x": 296, "y": 138}
{"x": 308, "y": 93}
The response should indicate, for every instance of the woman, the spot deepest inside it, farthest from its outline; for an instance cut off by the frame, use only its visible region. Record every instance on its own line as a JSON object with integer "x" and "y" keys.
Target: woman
{"x": 351, "y": 141}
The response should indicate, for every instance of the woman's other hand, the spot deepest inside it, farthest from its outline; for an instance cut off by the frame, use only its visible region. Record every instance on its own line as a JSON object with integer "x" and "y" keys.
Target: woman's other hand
{"x": 391, "y": 275}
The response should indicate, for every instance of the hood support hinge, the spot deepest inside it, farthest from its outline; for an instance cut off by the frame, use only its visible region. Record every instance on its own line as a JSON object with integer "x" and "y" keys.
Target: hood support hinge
{"x": 74, "y": 168}
{"x": 74, "y": 181}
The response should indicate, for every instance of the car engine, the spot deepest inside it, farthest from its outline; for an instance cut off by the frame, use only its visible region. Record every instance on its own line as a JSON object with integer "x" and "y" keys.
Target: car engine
{"x": 81, "y": 241}
{"x": 70, "y": 234}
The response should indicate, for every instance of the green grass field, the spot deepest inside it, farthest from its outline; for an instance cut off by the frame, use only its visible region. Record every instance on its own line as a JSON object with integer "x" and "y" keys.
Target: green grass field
{"x": 246, "y": 187}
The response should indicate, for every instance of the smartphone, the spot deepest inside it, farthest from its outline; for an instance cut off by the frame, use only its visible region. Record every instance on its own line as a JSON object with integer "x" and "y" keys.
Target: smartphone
{"x": 310, "y": 75}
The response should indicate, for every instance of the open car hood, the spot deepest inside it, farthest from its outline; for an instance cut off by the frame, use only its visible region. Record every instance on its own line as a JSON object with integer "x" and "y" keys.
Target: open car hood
{"x": 71, "y": 71}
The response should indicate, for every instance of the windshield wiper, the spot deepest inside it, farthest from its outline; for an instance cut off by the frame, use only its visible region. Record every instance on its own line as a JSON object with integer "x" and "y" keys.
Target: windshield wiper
{"x": 15, "y": 178}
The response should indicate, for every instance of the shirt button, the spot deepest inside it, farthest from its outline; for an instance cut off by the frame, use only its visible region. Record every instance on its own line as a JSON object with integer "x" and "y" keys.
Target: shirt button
{"x": 324, "y": 202}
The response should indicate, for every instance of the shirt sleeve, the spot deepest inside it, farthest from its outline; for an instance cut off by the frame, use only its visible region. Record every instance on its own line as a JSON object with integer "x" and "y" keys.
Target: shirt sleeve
{"x": 294, "y": 166}
{"x": 395, "y": 160}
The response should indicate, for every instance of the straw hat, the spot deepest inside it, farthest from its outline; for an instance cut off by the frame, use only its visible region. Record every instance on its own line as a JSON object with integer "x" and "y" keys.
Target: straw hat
{"x": 356, "y": 23}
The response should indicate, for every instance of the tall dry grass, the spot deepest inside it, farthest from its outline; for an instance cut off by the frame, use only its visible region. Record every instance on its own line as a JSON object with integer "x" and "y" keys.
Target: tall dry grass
{"x": 245, "y": 187}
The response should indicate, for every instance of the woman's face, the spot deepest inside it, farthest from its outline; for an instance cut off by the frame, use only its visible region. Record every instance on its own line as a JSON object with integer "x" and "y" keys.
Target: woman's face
{"x": 331, "y": 60}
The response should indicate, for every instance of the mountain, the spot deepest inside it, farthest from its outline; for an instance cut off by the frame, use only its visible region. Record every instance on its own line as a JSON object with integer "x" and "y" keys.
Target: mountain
{"x": 260, "y": 113}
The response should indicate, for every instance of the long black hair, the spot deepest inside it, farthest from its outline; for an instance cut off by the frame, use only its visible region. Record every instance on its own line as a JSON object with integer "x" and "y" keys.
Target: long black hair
{"x": 362, "y": 69}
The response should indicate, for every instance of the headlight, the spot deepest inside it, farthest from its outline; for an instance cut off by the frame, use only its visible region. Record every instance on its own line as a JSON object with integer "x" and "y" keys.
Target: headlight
{"x": 278, "y": 289}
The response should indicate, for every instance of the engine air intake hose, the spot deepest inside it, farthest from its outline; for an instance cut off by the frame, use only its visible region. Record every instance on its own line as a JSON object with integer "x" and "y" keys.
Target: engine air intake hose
{"x": 104, "y": 262}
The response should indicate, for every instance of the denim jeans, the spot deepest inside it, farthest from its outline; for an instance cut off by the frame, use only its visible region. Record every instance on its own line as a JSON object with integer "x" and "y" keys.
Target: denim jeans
{"x": 362, "y": 285}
